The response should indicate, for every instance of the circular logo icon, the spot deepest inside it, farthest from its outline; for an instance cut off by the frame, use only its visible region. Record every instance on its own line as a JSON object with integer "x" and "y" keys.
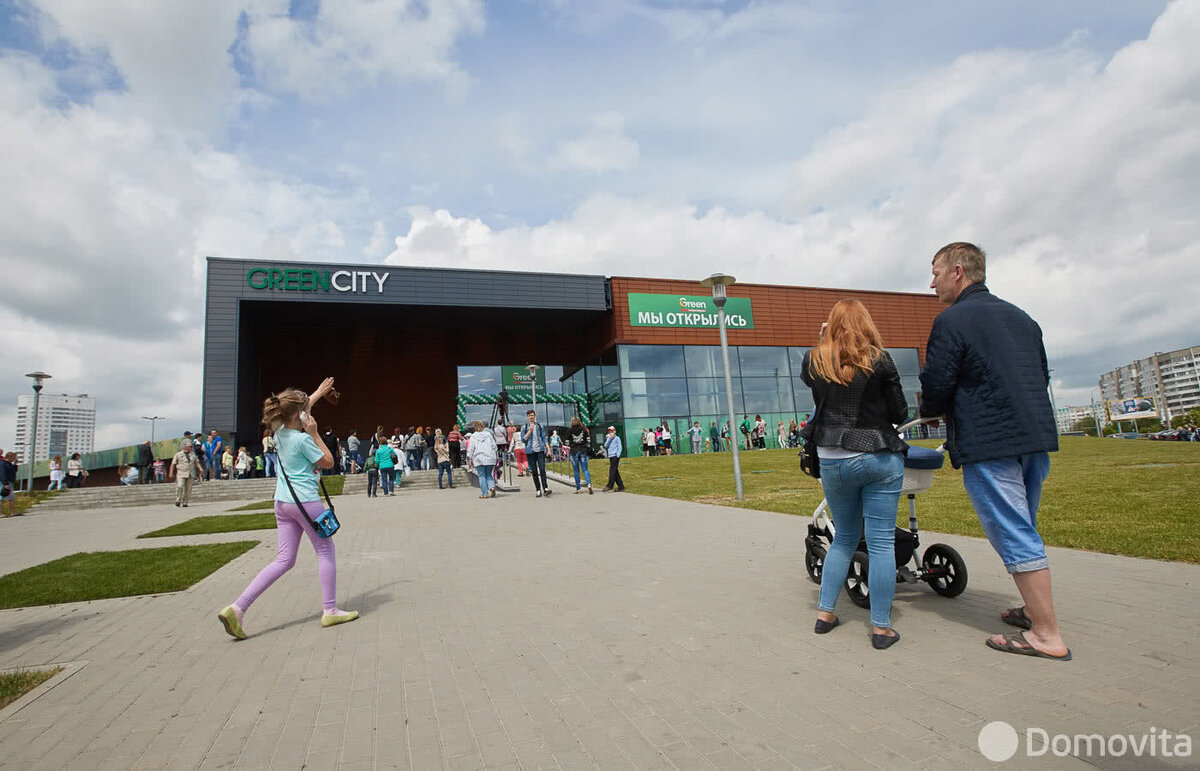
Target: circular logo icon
{"x": 998, "y": 741}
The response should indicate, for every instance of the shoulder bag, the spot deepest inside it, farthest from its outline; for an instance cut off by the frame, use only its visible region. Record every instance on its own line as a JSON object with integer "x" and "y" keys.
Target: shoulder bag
{"x": 326, "y": 523}
{"x": 810, "y": 460}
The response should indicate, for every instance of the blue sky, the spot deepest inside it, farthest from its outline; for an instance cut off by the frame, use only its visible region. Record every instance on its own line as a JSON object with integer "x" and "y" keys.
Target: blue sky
{"x": 821, "y": 143}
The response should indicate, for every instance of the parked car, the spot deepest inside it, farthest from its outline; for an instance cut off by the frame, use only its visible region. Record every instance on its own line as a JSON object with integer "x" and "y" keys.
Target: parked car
{"x": 1124, "y": 435}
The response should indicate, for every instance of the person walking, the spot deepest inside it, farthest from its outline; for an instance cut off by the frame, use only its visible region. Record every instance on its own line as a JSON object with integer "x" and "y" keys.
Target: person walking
{"x": 483, "y": 454}
{"x": 185, "y": 467}
{"x": 781, "y": 433}
{"x": 76, "y": 473}
{"x": 8, "y": 483}
{"x": 371, "y": 466}
{"x": 714, "y": 436}
{"x": 579, "y": 443}
{"x": 987, "y": 374}
{"x": 442, "y": 450}
{"x": 241, "y": 466}
{"x": 517, "y": 446}
{"x": 856, "y": 389}
{"x": 56, "y": 473}
{"x": 386, "y": 459}
{"x": 536, "y": 446}
{"x": 352, "y": 456}
{"x": 144, "y": 462}
{"x": 301, "y": 453}
{"x": 455, "y": 438}
{"x": 612, "y": 450}
{"x": 269, "y": 454}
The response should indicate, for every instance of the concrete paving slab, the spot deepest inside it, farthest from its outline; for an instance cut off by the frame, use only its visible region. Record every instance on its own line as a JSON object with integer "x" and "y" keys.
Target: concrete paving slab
{"x": 603, "y": 631}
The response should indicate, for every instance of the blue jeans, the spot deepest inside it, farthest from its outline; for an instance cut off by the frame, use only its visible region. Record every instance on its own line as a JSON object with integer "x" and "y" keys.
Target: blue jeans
{"x": 863, "y": 493}
{"x": 486, "y": 480}
{"x": 444, "y": 468}
{"x": 580, "y": 460}
{"x": 1006, "y": 494}
{"x": 387, "y": 479}
{"x": 272, "y": 459}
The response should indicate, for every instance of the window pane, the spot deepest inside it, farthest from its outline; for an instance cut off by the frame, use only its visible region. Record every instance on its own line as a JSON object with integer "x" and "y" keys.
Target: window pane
{"x": 478, "y": 380}
{"x": 705, "y": 361}
{"x": 795, "y": 358}
{"x": 654, "y": 398}
{"x": 909, "y": 366}
{"x": 764, "y": 394}
{"x": 649, "y": 361}
{"x": 763, "y": 360}
{"x": 553, "y": 375}
{"x": 707, "y": 395}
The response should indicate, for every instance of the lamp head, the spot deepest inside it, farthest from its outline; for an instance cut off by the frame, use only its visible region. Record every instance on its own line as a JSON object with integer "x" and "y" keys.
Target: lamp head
{"x": 717, "y": 283}
{"x": 38, "y": 377}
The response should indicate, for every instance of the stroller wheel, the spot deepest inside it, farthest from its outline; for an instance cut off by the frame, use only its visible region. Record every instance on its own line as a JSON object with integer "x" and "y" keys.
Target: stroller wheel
{"x": 856, "y": 580}
{"x": 814, "y": 562}
{"x": 944, "y": 569}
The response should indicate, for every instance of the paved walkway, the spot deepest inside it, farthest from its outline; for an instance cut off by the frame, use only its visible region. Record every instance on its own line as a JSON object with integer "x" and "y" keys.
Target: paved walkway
{"x": 610, "y": 631}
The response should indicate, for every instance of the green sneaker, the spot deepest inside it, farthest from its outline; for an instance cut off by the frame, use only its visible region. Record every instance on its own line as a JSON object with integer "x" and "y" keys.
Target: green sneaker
{"x": 333, "y": 619}
{"x": 232, "y": 624}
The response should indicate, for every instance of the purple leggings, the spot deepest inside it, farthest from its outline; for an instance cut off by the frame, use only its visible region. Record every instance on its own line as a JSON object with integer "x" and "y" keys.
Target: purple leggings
{"x": 290, "y": 523}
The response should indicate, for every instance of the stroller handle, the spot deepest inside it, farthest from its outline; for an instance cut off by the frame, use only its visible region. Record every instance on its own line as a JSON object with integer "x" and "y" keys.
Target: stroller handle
{"x": 916, "y": 422}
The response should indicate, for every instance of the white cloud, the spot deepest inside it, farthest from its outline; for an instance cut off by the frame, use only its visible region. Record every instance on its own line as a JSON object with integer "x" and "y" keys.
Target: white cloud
{"x": 602, "y": 149}
{"x": 356, "y": 43}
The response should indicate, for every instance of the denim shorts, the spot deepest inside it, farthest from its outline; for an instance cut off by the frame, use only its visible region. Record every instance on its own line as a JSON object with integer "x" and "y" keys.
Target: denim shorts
{"x": 1006, "y": 493}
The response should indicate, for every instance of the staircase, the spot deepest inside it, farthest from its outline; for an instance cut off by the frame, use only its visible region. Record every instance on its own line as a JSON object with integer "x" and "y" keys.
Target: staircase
{"x": 212, "y": 491}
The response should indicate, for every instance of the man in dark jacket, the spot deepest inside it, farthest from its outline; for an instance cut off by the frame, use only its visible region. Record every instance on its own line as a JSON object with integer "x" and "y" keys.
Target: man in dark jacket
{"x": 986, "y": 372}
{"x": 145, "y": 461}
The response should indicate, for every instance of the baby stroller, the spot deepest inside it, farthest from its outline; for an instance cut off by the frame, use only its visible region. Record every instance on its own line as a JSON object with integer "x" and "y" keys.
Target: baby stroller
{"x": 940, "y": 565}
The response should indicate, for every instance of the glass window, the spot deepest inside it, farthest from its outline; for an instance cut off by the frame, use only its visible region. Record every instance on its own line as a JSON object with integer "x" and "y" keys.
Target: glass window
{"x": 707, "y": 395}
{"x": 593, "y": 379}
{"x": 763, "y": 360}
{"x": 651, "y": 361}
{"x": 705, "y": 361}
{"x": 767, "y": 394}
{"x": 654, "y": 398}
{"x": 796, "y": 358}
{"x": 804, "y": 400}
{"x": 554, "y": 379}
{"x": 478, "y": 380}
{"x": 908, "y": 364}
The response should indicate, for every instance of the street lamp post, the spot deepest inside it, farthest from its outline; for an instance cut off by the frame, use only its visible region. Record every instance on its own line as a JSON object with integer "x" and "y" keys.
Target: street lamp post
{"x": 533, "y": 368}
{"x": 31, "y": 453}
{"x": 717, "y": 282}
{"x": 153, "y": 420}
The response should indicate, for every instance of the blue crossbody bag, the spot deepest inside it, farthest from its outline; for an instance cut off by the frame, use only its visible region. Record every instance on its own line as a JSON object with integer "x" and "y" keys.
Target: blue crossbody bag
{"x": 326, "y": 523}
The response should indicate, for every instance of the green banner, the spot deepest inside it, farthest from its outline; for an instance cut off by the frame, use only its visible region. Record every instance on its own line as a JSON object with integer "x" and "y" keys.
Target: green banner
{"x": 515, "y": 380}
{"x": 673, "y": 310}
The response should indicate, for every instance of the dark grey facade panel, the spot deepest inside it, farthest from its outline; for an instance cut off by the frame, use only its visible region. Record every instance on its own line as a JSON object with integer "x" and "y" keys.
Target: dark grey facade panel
{"x": 228, "y": 284}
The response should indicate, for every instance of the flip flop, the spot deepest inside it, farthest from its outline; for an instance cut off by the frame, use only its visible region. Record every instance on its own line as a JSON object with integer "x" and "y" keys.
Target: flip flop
{"x": 1010, "y": 646}
{"x": 1017, "y": 617}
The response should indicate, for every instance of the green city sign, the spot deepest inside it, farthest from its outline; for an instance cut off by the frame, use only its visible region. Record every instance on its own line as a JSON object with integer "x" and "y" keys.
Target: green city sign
{"x": 673, "y": 310}
{"x": 307, "y": 280}
{"x": 516, "y": 379}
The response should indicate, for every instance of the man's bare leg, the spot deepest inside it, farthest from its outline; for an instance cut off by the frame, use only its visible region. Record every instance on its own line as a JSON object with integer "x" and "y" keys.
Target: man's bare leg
{"x": 1035, "y": 590}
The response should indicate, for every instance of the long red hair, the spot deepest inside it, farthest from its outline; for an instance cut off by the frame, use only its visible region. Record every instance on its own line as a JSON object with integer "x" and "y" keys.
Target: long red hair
{"x": 851, "y": 344}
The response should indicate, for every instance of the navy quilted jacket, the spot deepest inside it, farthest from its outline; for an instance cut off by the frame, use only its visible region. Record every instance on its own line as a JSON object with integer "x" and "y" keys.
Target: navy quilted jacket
{"x": 985, "y": 371}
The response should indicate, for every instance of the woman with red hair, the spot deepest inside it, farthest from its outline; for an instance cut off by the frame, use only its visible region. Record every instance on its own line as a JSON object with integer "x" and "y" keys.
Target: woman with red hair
{"x": 859, "y": 401}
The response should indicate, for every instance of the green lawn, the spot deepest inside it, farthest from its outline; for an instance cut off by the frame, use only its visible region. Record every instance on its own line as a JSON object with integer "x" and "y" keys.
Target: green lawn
{"x": 23, "y": 502}
{"x": 222, "y": 523}
{"x": 1105, "y": 495}
{"x": 256, "y": 506}
{"x": 100, "y": 575}
{"x": 14, "y": 685}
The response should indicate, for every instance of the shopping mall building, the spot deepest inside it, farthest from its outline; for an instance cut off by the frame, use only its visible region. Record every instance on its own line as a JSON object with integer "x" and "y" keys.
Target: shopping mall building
{"x": 434, "y": 346}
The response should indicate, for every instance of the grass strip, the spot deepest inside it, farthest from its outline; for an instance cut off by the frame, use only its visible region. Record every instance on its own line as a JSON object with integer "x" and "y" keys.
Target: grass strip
{"x": 14, "y": 685}
{"x": 255, "y": 506}
{"x": 105, "y": 574}
{"x": 1117, "y": 496}
{"x": 23, "y": 501}
{"x": 221, "y": 523}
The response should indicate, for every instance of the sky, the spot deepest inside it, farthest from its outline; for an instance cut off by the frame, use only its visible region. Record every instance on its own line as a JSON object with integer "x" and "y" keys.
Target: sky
{"x": 806, "y": 143}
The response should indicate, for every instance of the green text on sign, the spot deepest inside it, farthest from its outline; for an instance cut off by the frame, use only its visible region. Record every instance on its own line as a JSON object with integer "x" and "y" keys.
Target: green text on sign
{"x": 673, "y": 310}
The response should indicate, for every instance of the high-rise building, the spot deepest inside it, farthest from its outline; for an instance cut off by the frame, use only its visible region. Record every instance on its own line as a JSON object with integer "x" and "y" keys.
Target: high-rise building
{"x": 1172, "y": 379}
{"x": 1067, "y": 417}
{"x": 66, "y": 424}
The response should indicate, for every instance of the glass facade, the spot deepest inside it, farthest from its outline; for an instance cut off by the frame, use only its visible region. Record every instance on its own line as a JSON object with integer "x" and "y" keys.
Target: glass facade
{"x": 635, "y": 387}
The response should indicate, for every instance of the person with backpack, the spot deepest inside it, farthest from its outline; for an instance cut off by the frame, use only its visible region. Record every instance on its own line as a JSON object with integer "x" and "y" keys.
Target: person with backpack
{"x": 372, "y": 468}
{"x": 386, "y": 458}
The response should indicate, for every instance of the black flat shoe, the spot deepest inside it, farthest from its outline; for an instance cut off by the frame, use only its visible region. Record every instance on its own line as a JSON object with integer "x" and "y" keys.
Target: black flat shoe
{"x": 882, "y": 642}
{"x": 825, "y": 627}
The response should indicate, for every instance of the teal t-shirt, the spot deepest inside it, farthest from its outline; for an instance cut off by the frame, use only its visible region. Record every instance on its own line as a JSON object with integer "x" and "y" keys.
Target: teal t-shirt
{"x": 383, "y": 456}
{"x": 297, "y": 454}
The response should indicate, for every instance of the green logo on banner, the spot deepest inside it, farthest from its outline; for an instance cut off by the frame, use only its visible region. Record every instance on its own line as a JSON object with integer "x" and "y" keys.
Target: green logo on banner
{"x": 515, "y": 380}
{"x": 673, "y": 310}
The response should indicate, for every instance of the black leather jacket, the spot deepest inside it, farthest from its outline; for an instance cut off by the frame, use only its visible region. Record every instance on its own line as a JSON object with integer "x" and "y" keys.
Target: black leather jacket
{"x": 861, "y": 416}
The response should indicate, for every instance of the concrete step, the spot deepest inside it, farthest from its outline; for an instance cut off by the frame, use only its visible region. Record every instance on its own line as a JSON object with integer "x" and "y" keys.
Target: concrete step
{"x": 213, "y": 490}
